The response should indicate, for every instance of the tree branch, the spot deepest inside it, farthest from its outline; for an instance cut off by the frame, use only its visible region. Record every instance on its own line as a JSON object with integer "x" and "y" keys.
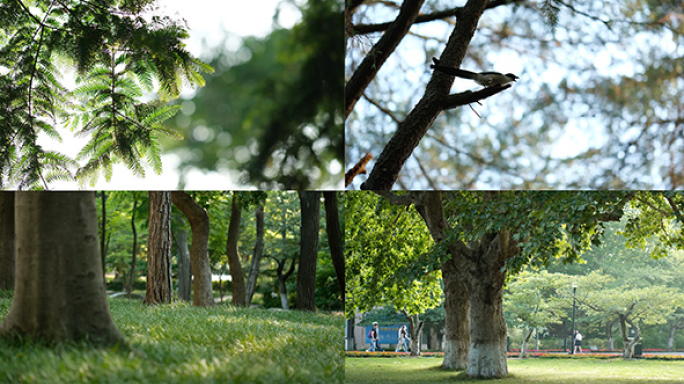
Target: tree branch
{"x": 468, "y": 97}
{"x": 418, "y": 121}
{"x": 356, "y": 170}
{"x": 374, "y": 60}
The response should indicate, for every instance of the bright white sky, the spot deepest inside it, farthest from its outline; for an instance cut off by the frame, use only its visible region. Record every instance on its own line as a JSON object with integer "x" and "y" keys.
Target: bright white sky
{"x": 208, "y": 21}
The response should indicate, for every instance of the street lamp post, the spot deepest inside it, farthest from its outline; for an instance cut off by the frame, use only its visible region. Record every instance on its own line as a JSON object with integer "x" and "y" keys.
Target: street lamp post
{"x": 574, "y": 290}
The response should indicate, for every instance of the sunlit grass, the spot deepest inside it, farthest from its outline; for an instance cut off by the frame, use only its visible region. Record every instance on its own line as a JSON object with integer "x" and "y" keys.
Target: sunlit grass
{"x": 183, "y": 344}
{"x": 586, "y": 371}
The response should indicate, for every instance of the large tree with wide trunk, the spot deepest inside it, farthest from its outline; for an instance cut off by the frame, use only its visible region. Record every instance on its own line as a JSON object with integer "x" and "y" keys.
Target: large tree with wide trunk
{"x": 6, "y": 240}
{"x": 486, "y": 235}
{"x": 199, "y": 257}
{"x": 308, "y": 255}
{"x": 159, "y": 289}
{"x": 59, "y": 288}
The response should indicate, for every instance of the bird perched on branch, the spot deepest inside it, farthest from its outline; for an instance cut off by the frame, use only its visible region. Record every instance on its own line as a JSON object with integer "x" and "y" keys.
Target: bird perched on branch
{"x": 486, "y": 79}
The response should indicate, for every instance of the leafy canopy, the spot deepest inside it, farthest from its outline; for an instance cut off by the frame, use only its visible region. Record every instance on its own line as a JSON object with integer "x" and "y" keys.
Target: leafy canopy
{"x": 117, "y": 50}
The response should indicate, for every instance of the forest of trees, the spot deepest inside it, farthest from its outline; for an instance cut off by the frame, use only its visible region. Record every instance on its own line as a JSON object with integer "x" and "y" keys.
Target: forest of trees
{"x": 145, "y": 252}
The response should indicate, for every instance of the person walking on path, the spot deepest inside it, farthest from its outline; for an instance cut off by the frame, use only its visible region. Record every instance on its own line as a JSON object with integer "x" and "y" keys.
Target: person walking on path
{"x": 578, "y": 341}
{"x": 403, "y": 336}
{"x": 373, "y": 334}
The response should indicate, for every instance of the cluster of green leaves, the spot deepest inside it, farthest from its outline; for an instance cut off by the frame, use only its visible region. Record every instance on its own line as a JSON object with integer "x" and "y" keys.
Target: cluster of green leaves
{"x": 180, "y": 343}
{"x": 383, "y": 245}
{"x": 116, "y": 54}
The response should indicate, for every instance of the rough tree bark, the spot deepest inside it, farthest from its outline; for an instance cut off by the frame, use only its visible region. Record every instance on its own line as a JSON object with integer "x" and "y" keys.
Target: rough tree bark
{"x": 184, "y": 270}
{"x": 103, "y": 238}
{"x": 236, "y": 274}
{"x": 159, "y": 249}
{"x": 199, "y": 249}
{"x": 457, "y": 319}
{"x": 6, "y": 240}
{"x": 306, "y": 275}
{"x": 59, "y": 288}
{"x": 256, "y": 256}
{"x": 332, "y": 225}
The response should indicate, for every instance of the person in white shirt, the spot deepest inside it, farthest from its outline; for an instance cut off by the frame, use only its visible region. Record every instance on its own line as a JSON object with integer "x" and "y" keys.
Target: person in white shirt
{"x": 403, "y": 336}
{"x": 578, "y": 341}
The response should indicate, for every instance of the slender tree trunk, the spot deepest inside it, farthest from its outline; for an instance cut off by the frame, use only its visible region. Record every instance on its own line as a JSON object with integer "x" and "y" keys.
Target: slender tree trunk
{"x": 6, "y": 240}
{"x": 237, "y": 277}
{"x": 256, "y": 256}
{"x": 184, "y": 269}
{"x": 457, "y": 318}
{"x": 306, "y": 275}
{"x": 332, "y": 225}
{"x": 609, "y": 335}
{"x": 525, "y": 342}
{"x": 282, "y": 279}
{"x": 103, "y": 246}
{"x": 416, "y": 330}
{"x": 199, "y": 250}
{"x": 59, "y": 288}
{"x": 670, "y": 340}
{"x": 134, "y": 249}
{"x": 159, "y": 249}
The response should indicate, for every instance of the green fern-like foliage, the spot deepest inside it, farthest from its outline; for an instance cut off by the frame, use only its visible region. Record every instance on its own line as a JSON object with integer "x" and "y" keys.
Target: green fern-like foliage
{"x": 117, "y": 54}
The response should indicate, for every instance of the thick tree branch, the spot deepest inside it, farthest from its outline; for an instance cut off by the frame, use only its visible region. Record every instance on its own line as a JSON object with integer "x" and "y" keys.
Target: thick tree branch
{"x": 374, "y": 60}
{"x": 415, "y": 125}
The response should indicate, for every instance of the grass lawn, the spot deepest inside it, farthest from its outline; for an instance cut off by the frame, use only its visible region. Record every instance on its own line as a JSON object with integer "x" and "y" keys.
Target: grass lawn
{"x": 181, "y": 344}
{"x": 554, "y": 371}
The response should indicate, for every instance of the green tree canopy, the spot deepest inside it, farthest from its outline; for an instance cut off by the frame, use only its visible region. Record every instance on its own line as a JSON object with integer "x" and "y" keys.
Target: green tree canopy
{"x": 115, "y": 50}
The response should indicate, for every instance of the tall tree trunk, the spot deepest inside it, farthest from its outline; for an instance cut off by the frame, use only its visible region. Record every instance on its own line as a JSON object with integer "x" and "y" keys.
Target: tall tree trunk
{"x": 184, "y": 269}
{"x": 199, "y": 250}
{"x": 670, "y": 339}
{"x": 256, "y": 256}
{"x": 627, "y": 344}
{"x": 457, "y": 318}
{"x": 134, "y": 249}
{"x": 332, "y": 225}
{"x": 59, "y": 288}
{"x": 103, "y": 246}
{"x": 237, "y": 277}
{"x": 306, "y": 275}
{"x": 159, "y": 249}
{"x": 6, "y": 240}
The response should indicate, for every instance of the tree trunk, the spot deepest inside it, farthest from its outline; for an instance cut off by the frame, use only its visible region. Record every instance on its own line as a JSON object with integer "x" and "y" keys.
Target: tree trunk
{"x": 237, "y": 277}
{"x": 282, "y": 278}
{"x": 199, "y": 250}
{"x": 159, "y": 249}
{"x": 256, "y": 256}
{"x": 457, "y": 320}
{"x": 525, "y": 342}
{"x": 59, "y": 288}
{"x": 103, "y": 246}
{"x": 184, "y": 269}
{"x": 487, "y": 357}
{"x": 332, "y": 225}
{"x": 670, "y": 340}
{"x": 6, "y": 240}
{"x": 628, "y": 345}
{"x": 306, "y": 275}
{"x": 609, "y": 335}
{"x": 416, "y": 330}
{"x": 134, "y": 250}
